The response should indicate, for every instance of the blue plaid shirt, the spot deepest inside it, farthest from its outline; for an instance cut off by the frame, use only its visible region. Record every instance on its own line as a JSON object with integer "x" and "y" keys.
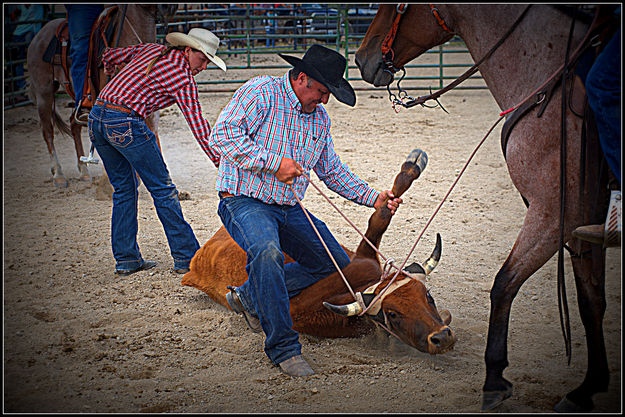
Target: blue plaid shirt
{"x": 263, "y": 123}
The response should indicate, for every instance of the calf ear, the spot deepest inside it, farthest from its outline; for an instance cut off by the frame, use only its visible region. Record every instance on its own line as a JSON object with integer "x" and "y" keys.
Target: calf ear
{"x": 415, "y": 268}
{"x": 445, "y": 316}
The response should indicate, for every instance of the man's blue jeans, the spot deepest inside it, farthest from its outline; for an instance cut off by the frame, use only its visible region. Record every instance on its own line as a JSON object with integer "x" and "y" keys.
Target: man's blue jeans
{"x": 80, "y": 19}
{"x": 264, "y": 231}
{"x": 126, "y": 144}
{"x": 603, "y": 87}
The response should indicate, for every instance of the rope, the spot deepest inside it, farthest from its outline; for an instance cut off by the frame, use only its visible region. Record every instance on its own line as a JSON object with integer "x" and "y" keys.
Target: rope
{"x": 325, "y": 246}
{"x": 452, "y": 187}
{"x": 358, "y": 296}
{"x": 388, "y": 261}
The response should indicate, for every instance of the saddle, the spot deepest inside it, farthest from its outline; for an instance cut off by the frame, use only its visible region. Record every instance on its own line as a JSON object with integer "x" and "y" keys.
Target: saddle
{"x": 57, "y": 53}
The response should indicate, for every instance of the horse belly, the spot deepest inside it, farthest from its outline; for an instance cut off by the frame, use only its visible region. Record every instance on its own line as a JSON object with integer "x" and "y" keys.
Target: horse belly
{"x": 533, "y": 156}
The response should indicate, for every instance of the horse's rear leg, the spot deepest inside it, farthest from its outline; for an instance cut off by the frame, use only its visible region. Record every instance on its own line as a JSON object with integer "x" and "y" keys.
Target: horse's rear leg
{"x": 44, "y": 108}
{"x": 82, "y": 166}
{"x": 590, "y": 282}
{"x": 530, "y": 251}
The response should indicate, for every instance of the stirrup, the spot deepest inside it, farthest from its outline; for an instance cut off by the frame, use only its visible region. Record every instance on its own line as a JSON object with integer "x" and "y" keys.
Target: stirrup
{"x": 81, "y": 118}
{"x": 612, "y": 231}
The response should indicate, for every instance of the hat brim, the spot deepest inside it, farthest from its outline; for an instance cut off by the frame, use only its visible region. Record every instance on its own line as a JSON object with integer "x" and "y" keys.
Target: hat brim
{"x": 182, "y": 39}
{"x": 343, "y": 91}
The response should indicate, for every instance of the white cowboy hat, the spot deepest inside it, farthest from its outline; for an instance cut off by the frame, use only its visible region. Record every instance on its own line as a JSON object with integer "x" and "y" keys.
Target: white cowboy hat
{"x": 200, "y": 39}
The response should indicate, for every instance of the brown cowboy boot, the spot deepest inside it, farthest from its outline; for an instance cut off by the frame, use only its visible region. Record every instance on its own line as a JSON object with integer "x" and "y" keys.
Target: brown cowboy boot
{"x": 296, "y": 366}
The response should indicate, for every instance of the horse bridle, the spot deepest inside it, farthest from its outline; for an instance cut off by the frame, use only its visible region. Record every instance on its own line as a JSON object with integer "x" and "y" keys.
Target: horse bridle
{"x": 387, "y": 44}
{"x": 388, "y": 55}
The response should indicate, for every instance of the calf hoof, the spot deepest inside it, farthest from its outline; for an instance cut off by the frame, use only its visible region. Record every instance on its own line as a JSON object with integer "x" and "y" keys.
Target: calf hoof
{"x": 491, "y": 399}
{"x": 567, "y": 406}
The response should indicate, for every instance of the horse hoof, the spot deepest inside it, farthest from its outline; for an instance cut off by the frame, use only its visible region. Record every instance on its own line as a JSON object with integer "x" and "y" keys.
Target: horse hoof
{"x": 491, "y": 399}
{"x": 567, "y": 406}
{"x": 61, "y": 183}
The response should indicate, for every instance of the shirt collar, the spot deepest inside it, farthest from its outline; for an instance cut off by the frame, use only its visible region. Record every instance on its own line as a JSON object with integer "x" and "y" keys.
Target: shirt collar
{"x": 292, "y": 97}
{"x": 290, "y": 93}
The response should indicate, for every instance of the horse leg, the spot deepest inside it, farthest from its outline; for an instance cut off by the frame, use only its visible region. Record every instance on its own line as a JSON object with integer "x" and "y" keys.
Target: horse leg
{"x": 82, "y": 166}
{"x": 44, "y": 108}
{"x": 530, "y": 251}
{"x": 590, "y": 283}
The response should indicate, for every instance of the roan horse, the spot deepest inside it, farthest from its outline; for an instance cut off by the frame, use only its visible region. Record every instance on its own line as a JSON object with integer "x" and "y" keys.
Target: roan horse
{"x": 327, "y": 307}
{"x": 45, "y": 78}
{"x": 534, "y": 50}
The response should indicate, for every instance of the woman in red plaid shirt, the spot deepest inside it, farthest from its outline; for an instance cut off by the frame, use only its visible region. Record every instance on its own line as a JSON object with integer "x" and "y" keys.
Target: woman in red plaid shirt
{"x": 153, "y": 77}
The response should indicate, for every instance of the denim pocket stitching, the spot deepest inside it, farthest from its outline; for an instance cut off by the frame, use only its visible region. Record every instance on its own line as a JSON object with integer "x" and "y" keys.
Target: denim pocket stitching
{"x": 117, "y": 138}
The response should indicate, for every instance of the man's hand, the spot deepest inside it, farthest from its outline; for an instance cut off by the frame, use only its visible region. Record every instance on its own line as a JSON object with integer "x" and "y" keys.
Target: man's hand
{"x": 288, "y": 170}
{"x": 387, "y": 198}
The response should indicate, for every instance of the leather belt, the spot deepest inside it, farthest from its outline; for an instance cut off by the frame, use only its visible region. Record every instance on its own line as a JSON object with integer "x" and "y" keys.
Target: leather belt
{"x": 117, "y": 107}
{"x": 225, "y": 194}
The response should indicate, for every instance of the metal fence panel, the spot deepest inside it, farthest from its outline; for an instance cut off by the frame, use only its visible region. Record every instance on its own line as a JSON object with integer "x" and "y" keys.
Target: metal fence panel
{"x": 251, "y": 32}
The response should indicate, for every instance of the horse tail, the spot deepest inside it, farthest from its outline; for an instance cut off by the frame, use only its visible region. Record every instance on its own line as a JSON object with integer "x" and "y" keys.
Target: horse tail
{"x": 57, "y": 120}
{"x": 60, "y": 123}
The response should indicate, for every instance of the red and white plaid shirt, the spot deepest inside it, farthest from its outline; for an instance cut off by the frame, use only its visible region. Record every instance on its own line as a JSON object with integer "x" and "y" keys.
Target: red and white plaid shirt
{"x": 170, "y": 81}
{"x": 264, "y": 122}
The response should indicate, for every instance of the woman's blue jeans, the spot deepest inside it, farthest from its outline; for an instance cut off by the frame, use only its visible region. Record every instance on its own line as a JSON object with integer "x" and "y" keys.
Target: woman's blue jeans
{"x": 264, "y": 231}
{"x": 126, "y": 145}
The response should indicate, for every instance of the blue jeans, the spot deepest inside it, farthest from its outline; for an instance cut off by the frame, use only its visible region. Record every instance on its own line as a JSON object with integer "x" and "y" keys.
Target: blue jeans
{"x": 264, "y": 231}
{"x": 126, "y": 145}
{"x": 603, "y": 87}
{"x": 80, "y": 19}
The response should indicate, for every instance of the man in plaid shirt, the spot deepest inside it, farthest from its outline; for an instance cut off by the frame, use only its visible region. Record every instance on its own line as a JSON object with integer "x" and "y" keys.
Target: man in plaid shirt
{"x": 153, "y": 77}
{"x": 272, "y": 132}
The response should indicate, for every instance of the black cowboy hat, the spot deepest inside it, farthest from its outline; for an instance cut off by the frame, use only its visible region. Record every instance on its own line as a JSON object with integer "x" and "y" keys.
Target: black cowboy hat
{"x": 327, "y": 67}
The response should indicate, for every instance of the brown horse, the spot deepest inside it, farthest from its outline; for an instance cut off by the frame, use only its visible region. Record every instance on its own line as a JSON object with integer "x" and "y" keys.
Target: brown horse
{"x": 518, "y": 69}
{"x": 45, "y": 78}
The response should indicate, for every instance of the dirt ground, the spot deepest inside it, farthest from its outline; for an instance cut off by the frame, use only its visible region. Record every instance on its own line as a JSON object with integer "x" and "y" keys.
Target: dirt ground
{"x": 79, "y": 339}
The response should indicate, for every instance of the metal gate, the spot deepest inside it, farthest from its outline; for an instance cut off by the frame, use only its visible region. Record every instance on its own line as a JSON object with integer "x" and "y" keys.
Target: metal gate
{"x": 249, "y": 31}
{"x": 251, "y": 34}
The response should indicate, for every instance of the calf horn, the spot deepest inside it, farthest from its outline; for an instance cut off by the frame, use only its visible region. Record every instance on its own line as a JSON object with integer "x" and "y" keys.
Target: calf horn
{"x": 355, "y": 308}
{"x": 430, "y": 263}
{"x": 346, "y": 310}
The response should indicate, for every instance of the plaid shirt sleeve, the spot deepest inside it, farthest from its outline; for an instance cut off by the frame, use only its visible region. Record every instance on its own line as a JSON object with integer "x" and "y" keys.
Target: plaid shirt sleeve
{"x": 188, "y": 100}
{"x": 340, "y": 179}
{"x": 242, "y": 116}
{"x": 120, "y": 56}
